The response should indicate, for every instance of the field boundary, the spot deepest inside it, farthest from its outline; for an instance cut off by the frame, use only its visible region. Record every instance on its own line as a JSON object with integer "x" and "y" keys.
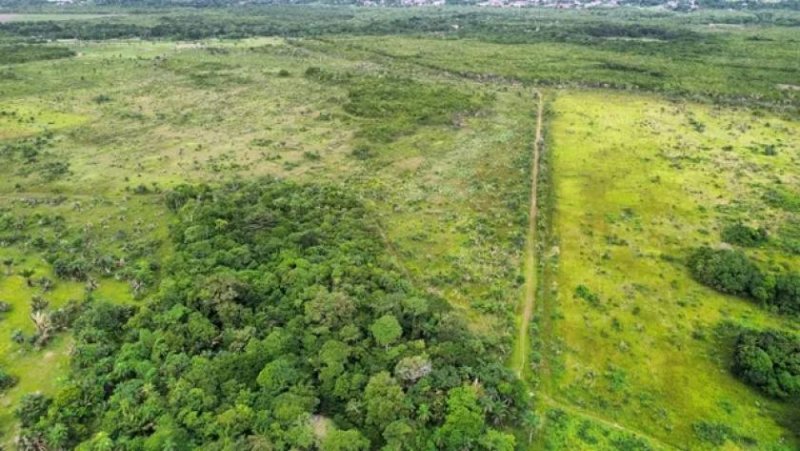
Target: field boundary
{"x": 519, "y": 356}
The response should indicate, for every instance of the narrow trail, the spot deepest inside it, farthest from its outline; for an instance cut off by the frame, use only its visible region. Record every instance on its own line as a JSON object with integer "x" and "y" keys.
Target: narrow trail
{"x": 520, "y": 357}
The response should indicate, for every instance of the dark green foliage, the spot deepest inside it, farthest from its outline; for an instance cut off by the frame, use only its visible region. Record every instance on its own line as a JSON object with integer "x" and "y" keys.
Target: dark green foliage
{"x": 393, "y": 106}
{"x": 102, "y": 98}
{"x": 583, "y": 292}
{"x": 7, "y": 380}
{"x": 278, "y": 304}
{"x": 787, "y": 293}
{"x": 35, "y": 157}
{"x": 728, "y": 271}
{"x": 770, "y": 361}
{"x": 31, "y": 408}
{"x": 744, "y": 235}
{"x": 399, "y": 105}
{"x": 15, "y": 54}
{"x": 80, "y": 253}
{"x": 718, "y": 433}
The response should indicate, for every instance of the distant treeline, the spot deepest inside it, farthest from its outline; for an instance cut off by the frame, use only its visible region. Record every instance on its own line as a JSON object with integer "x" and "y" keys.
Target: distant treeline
{"x": 487, "y": 25}
{"x": 680, "y": 5}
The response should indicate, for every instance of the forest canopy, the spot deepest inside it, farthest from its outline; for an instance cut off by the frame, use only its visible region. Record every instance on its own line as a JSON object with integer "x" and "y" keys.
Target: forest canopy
{"x": 279, "y": 313}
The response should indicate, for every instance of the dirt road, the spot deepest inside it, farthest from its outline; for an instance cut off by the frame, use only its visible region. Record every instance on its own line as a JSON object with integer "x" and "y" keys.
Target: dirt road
{"x": 521, "y": 352}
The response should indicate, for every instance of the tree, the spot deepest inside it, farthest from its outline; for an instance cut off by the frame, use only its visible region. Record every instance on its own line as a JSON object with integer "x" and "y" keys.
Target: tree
{"x": 386, "y": 330}
{"x": 384, "y": 399}
{"x": 787, "y": 293}
{"x": 277, "y": 376}
{"x": 498, "y": 441}
{"x": 399, "y": 435}
{"x": 769, "y": 360}
{"x": 728, "y": 271}
{"x": 349, "y": 440}
{"x": 31, "y": 408}
{"x": 411, "y": 369}
{"x": 464, "y": 423}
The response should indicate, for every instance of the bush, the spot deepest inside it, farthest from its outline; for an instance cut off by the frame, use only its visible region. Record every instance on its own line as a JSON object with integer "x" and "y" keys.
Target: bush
{"x": 728, "y": 271}
{"x": 787, "y": 293}
{"x": 7, "y": 380}
{"x": 731, "y": 272}
{"x": 743, "y": 235}
{"x": 770, "y": 361}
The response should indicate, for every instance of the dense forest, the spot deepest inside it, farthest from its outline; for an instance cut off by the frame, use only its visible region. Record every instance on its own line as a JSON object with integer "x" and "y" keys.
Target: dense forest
{"x": 277, "y": 316}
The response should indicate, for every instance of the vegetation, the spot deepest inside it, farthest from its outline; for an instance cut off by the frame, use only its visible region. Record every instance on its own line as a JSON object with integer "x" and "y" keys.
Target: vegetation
{"x": 743, "y": 235}
{"x": 15, "y": 54}
{"x": 304, "y": 227}
{"x": 770, "y": 361}
{"x": 620, "y": 317}
{"x": 729, "y": 272}
{"x": 732, "y": 272}
{"x": 346, "y": 339}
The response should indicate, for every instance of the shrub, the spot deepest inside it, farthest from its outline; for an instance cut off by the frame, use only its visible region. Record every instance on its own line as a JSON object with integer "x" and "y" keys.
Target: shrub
{"x": 7, "y": 380}
{"x": 783, "y": 199}
{"x": 583, "y": 292}
{"x": 728, "y": 271}
{"x": 743, "y": 235}
{"x": 787, "y": 293}
{"x": 770, "y": 361}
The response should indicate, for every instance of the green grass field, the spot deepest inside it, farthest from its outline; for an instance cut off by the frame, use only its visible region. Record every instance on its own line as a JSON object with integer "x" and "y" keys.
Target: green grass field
{"x": 637, "y": 185}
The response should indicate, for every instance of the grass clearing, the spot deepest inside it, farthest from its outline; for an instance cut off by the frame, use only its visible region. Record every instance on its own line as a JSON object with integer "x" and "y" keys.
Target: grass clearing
{"x": 639, "y": 181}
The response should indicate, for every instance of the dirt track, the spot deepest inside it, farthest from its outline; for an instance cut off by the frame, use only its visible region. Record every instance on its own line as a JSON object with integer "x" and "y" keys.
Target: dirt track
{"x": 530, "y": 250}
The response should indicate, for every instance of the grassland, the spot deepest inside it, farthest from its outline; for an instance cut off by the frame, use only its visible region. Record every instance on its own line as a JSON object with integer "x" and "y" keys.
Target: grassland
{"x": 625, "y": 331}
{"x": 131, "y": 119}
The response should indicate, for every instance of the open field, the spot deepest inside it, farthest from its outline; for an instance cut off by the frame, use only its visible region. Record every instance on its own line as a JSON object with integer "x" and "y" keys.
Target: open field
{"x": 639, "y": 181}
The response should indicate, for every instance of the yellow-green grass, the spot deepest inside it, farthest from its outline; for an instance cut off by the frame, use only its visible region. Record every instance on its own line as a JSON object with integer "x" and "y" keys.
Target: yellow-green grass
{"x": 637, "y": 186}
{"x": 37, "y": 369}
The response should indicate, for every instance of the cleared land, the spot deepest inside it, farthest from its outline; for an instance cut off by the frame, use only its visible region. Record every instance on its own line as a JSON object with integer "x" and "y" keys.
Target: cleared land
{"x": 627, "y": 333}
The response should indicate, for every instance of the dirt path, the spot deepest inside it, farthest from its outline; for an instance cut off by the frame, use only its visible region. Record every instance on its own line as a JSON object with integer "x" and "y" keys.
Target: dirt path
{"x": 520, "y": 356}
